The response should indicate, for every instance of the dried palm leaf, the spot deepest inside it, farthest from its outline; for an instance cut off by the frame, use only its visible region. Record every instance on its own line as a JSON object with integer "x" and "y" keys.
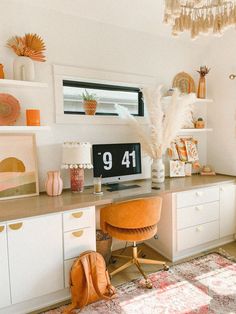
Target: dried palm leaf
{"x": 30, "y": 45}
{"x": 34, "y": 42}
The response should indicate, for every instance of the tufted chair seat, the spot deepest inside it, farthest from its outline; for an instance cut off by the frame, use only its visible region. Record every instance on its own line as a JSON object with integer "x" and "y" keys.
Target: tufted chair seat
{"x": 132, "y": 235}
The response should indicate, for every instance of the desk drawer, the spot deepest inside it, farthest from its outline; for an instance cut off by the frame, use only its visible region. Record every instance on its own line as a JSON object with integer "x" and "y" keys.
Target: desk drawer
{"x": 79, "y": 218}
{"x": 197, "y": 235}
{"x": 197, "y": 196}
{"x": 78, "y": 241}
{"x": 198, "y": 214}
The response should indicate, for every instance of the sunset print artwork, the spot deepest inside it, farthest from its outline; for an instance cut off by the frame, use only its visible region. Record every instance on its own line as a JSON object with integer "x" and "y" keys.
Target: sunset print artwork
{"x": 18, "y": 166}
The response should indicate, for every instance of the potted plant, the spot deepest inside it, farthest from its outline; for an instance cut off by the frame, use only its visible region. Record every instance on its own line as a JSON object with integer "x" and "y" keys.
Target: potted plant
{"x": 90, "y": 103}
{"x": 200, "y": 124}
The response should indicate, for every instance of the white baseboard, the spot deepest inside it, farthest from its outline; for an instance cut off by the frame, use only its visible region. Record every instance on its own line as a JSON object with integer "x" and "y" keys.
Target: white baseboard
{"x": 37, "y": 303}
{"x": 193, "y": 251}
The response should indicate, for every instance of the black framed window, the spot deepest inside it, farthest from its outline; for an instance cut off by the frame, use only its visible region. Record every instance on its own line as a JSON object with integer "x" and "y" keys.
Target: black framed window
{"x": 107, "y": 96}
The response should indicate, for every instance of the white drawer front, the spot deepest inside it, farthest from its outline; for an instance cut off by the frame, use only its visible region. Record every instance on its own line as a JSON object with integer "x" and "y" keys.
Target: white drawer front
{"x": 191, "y": 237}
{"x": 67, "y": 267}
{"x": 197, "y": 196}
{"x": 78, "y": 241}
{"x": 79, "y": 218}
{"x": 198, "y": 214}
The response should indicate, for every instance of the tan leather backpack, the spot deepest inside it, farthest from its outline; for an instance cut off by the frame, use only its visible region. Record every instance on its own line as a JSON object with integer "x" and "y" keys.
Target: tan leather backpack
{"x": 89, "y": 281}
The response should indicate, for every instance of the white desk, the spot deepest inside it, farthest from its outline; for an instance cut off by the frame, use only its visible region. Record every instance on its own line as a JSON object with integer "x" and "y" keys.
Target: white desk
{"x": 62, "y": 227}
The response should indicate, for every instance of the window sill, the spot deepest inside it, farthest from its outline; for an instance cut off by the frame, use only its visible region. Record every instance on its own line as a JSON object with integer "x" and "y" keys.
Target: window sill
{"x": 85, "y": 119}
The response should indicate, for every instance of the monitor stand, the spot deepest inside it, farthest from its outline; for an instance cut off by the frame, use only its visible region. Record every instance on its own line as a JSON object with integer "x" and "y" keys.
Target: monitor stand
{"x": 119, "y": 186}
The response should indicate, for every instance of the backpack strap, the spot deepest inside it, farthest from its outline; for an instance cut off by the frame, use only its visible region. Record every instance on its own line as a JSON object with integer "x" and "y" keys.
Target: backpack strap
{"x": 94, "y": 276}
{"x": 85, "y": 263}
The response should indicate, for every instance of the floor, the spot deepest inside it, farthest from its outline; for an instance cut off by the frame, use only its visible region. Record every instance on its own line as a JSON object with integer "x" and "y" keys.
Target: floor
{"x": 132, "y": 272}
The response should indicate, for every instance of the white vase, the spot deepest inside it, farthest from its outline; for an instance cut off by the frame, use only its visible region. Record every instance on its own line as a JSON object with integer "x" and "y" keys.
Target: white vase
{"x": 23, "y": 69}
{"x": 158, "y": 171}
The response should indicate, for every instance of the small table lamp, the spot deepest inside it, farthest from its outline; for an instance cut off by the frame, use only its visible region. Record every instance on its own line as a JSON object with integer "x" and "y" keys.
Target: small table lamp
{"x": 76, "y": 157}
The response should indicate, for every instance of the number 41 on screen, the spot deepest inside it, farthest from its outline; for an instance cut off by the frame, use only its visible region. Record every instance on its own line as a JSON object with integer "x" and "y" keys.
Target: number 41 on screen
{"x": 128, "y": 160}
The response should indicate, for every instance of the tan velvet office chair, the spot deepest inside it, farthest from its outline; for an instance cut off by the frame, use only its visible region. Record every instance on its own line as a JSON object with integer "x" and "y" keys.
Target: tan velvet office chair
{"x": 133, "y": 221}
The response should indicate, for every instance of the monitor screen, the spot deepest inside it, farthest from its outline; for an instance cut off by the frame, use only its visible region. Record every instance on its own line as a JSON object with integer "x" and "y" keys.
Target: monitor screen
{"x": 114, "y": 160}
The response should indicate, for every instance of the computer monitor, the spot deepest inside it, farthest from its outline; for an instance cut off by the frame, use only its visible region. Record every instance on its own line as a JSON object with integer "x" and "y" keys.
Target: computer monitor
{"x": 117, "y": 162}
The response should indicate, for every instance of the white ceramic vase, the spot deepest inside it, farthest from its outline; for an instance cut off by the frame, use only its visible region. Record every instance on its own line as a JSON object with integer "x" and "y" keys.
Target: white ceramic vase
{"x": 158, "y": 171}
{"x": 23, "y": 69}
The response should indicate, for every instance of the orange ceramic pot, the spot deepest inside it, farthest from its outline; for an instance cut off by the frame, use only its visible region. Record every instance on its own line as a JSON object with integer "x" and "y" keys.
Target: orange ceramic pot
{"x": 199, "y": 124}
{"x": 33, "y": 117}
{"x": 2, "y": 76}
{"x": 90, "y": 107}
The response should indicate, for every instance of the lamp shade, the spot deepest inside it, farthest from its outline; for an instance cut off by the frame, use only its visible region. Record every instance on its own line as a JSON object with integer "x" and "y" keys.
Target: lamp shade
{"x": 76, "y": 155}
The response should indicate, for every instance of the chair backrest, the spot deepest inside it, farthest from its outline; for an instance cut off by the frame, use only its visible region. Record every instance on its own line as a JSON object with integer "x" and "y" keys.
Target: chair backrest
{"x": 138, "y": 213}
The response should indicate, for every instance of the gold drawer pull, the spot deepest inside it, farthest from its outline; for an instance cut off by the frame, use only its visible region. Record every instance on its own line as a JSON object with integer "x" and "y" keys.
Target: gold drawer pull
{"x": 78, "y": 234}
{"x": 16, "y": 226}
{"x": 2, "y": 228}
{"x": 77, "y": 215}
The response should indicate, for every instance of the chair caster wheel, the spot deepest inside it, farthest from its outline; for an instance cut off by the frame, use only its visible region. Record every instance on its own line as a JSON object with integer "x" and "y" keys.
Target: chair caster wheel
{"x": 148, "y": 284}
{"x": 166, "y": 268}
{"x": 112, "y": 260}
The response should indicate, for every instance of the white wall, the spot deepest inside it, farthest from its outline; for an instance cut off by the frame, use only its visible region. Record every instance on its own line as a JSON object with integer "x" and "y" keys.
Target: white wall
{"x": 79, "y": 42}
{"x": 221, "y": 57}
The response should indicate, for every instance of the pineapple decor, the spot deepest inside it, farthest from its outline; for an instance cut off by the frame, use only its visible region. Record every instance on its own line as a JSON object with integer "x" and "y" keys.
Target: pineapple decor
{"x": 90, "y": 103}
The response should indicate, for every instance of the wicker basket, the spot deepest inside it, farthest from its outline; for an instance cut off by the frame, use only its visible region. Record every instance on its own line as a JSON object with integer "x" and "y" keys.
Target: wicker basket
{"x": 104, "y": 241}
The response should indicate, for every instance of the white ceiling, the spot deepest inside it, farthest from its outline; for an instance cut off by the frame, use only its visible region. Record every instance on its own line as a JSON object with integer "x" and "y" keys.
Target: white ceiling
{"x": 140, "y": 15}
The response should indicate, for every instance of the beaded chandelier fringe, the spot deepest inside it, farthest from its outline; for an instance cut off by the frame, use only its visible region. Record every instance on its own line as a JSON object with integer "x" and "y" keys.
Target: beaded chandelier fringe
{"x": 200, "y": 16}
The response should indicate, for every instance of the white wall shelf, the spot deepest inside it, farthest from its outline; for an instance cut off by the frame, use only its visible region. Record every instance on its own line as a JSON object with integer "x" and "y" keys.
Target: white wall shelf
{"x": 16, "y": 83}
{"x": 167, "y": 99}
{"x": 23, "y": 128}
{"x": 195, "y": 130}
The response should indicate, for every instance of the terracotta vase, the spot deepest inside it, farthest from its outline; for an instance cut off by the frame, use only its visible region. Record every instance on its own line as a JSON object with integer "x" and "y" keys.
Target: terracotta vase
{"x": 53, "y": 184}
{"x": 201, "y": 93}
{"x": 90, "y": 107}
{"x": 23, "y": 69}
{"x": 2, "y": 76}
{"x": 77, "y": 179}
{"x": 158, "y": 171}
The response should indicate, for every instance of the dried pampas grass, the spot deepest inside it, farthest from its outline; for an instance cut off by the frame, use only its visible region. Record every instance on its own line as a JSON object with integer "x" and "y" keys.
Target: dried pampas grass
{"x": 30, "y": 45}
{"x": 162, "y": 126}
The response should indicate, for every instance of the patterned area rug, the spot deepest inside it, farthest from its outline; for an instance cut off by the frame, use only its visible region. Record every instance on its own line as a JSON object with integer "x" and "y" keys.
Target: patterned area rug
{"x": 205, "y": 285}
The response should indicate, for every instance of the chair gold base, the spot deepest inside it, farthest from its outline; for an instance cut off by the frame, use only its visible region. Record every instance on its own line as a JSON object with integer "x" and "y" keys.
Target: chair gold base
{"x": 135, "y": 260}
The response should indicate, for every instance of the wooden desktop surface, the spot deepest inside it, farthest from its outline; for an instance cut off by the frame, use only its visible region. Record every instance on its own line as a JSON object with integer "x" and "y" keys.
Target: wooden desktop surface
{"x": 43, "y": 204}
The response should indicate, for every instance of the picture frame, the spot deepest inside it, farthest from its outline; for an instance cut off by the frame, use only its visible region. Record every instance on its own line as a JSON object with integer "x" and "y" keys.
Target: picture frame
{"x": 18, "y": 166}
{"x": 177, "y": 168}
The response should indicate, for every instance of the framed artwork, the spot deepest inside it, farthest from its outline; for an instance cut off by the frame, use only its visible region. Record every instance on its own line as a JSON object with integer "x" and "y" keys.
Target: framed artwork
{"x": 173, "y": 153}
{"x": 177, "y": 168}
{"x": 18, "y": 166}
{"x": 191, "y": 149}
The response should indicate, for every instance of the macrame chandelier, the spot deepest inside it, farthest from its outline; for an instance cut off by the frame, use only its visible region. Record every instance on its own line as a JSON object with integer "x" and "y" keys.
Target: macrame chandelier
{"x": 200, "y": 16}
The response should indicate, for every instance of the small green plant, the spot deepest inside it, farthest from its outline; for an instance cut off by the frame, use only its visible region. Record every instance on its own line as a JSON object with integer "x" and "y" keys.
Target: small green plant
{"x": 199, "y": 119}
{"x": 88, "y": 96}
